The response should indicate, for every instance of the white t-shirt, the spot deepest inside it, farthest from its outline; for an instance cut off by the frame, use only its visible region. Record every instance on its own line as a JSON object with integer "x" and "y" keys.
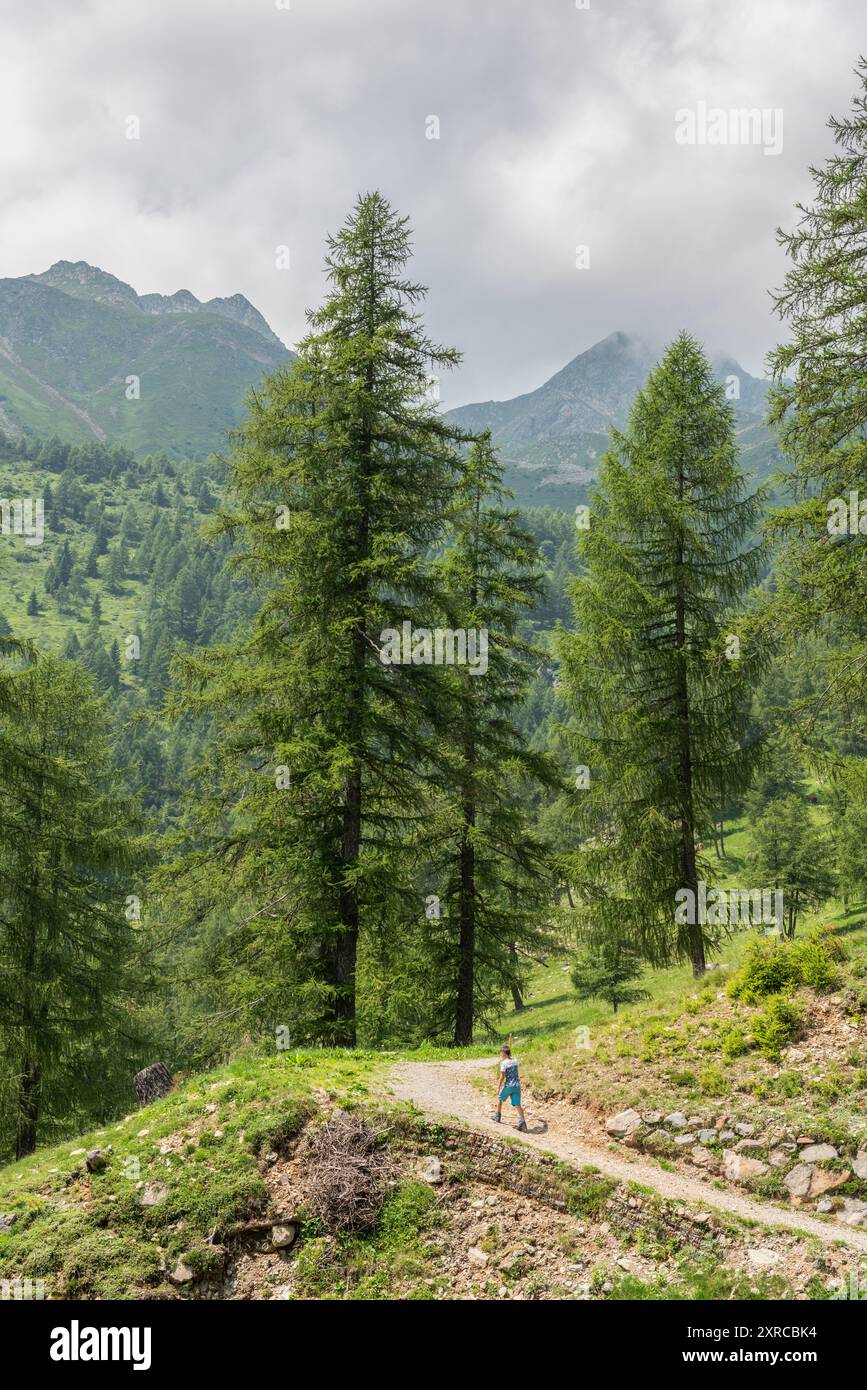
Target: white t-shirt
{"x": 509, "y": 1071}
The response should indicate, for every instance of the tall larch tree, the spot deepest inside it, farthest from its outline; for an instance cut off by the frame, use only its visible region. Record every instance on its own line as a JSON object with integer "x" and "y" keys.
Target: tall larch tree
{"x": 656, "y": 690}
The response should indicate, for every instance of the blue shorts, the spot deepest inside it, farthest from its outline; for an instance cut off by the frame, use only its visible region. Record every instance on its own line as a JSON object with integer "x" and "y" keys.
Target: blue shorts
{"x": 512, "y": 1093}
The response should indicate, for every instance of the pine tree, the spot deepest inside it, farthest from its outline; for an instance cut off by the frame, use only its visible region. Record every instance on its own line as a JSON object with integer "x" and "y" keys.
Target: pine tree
{"x": 496, "y": 880}
{"x": 609, "y": 971}
{"x": 33, "y": 609}
{"x": 340, "y": 482}
{"x": 820, "y": 408}
{"x": 63, "y": 934}
{"x": 658, "y": 707}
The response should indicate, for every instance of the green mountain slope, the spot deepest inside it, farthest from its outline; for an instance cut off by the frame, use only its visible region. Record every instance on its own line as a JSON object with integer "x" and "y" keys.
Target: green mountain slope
{"x": 71, "y": 337}
{"x": 551, "y": 438}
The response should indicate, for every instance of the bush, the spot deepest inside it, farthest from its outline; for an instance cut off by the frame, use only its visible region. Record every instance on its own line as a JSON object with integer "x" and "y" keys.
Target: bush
{"x": 774, "y": 967}
{"x": 778, "y": 1023}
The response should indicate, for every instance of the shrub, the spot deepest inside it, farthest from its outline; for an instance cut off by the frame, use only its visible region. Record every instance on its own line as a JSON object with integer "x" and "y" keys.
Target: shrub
{"x": 778, "y": 1024}
{"x": 772, "y": 967}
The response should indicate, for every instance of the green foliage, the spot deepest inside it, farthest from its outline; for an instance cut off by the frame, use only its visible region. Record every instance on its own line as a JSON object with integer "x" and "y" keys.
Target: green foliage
{"x": 657, "y": 708}
{"x": 772, "y": 966}
{"x": 608, "y": 971}
{"x": 776, "y": 1025}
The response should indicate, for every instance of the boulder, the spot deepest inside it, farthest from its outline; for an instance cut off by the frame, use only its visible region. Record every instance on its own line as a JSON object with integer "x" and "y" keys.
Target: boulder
{"x": 477, "y": 1257}
{"x": 676, "y": 1120}
{"x": 652, "y": 1117}
{"x": 806, "y": 1182}
{"x": 745, "y": 1128}
{"x": 703, "y": 1159}
{"x": 181, "y": 1274}
{"x": 431, "y": 1171}
{"x": 624, "y": 1124}
{"x": 815, "y": 1153}
{"x": 684, "y": 1139}
{"x": 7, "y": 1218}
{"x": 283, "y": 1235}
{"x": 738, "y": 1168}
{"x": 745, "y": 1145}
{"x": 707, "y": 1136}
{"x": 852, "y": 1211}
{"x": 859, "y": 1164}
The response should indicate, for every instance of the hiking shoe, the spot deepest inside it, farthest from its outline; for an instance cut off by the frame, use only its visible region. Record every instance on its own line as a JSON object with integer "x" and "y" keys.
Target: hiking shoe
{"x": 522, "y": 1127}
{"x": 496, "y": 1118}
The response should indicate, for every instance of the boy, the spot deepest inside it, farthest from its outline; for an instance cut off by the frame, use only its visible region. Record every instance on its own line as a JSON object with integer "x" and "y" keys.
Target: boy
{"x": 509, "y": 1087}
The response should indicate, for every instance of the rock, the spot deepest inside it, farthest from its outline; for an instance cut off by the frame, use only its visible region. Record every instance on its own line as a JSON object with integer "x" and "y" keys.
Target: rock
{"x": 805, "y": 1182}
{"x": 778, "y": 1158}
{"x": 814, "y": 1153}
{"x": 696, "y": 1122}
{"x": 477, "y": 1257}
{"x": 859, "y": 1164}
{"x": 737, "y": 1168}
{"x": 702, "y": 1159}
{"x": 181, "y": 1274}
{"x": 153, "y": 1194}
{"x": 825, "y": 1206}
{"x": 684, "y": 1139}
{"x": 852, "y": 1211}
{"x": 7, "y": 1218}
{"x": 707, "y": 1136}
{"x": 97, "y": 1161}
{"x": 763, "y": 1258}
{"x": 744, "y": 1145}
{"x": 726, "y": 1136}
{"x": 283, "y": 1235}
{"x": 622, "y": 1125}
{"x": 431, "y": 1171}
{"x": 745, "y": 1128}
{"x": 676, "y": 1120}
{"x": 652, "y": 1117}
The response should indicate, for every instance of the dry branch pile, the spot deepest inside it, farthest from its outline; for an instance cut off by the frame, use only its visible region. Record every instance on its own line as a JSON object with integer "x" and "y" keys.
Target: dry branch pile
{"x": 345, "y": 1173}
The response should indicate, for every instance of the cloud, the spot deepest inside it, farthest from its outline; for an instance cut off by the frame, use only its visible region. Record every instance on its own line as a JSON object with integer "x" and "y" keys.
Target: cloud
{"x": 259, "y": 125}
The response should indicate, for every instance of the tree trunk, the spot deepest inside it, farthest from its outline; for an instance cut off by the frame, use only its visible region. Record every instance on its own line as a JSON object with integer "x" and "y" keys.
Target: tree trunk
{"x": 28, "y": 1109}
{"x": 687, "y": 813}
{"x": 464, "y": 1008}
{"x": 516, "y": 993}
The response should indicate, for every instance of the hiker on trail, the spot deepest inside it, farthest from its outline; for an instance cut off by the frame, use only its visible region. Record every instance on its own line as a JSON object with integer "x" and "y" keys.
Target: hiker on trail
{"x": 509, "y": 1087}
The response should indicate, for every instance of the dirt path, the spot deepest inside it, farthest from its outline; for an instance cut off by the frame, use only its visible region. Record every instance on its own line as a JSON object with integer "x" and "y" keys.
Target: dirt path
{"x": 444, "y": 1089}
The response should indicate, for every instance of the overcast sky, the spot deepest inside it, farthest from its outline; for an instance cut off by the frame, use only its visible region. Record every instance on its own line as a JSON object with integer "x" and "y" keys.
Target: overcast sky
{"x": 557, "y": 129}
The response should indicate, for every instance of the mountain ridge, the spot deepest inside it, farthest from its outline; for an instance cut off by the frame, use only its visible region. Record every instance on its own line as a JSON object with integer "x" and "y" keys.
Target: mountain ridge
{"x": 552, "y": 437}
{"x": 77, "y": 344}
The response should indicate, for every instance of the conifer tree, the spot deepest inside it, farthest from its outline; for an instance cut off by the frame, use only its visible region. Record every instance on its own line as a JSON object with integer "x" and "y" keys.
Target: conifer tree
{"x": 656, "y": 688}
{"x": 64, "y": 937}
{"x": 340, "y": 481}
{"x": 819, "y": 406}
{"x": 495, "y": 877}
